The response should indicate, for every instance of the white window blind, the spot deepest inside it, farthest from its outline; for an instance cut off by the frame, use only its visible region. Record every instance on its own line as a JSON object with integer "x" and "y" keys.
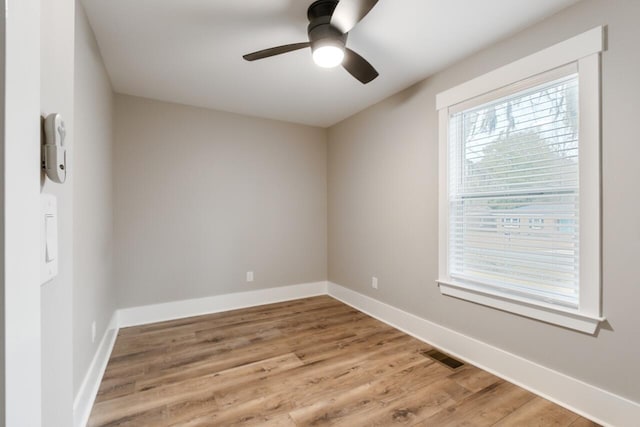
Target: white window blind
{"x": 513, "y": 193}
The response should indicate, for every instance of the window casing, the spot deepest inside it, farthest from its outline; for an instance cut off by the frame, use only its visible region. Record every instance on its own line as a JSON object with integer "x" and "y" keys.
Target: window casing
{"x": 520, "y": 186}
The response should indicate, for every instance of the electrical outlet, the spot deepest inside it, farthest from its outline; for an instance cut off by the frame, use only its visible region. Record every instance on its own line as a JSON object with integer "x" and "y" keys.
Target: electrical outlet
{"x": 249, "y": 276}
{"x": 374, "y": 282}
{"x": 93, "y": 331}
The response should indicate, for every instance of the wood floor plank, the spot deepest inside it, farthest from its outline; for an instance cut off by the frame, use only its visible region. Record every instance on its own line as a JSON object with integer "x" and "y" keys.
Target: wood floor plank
{"x": 192, "y": 411}
{"x": 539, "y": 412}
{"x": 483, "y": 408}
{"x": 313, "y": 361}
{"x": 110, "y": 388}
{"x": 152, "y": 418}
{"x": 583, "y": 422}
{"x": 473, "y": 379}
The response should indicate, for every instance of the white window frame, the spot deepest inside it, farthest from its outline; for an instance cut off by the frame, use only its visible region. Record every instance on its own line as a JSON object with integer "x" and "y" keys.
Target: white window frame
{"x": 584, "y": 52}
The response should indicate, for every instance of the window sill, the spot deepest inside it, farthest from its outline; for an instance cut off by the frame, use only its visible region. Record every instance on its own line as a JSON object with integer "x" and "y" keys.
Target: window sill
{"x": 539, "y": 311}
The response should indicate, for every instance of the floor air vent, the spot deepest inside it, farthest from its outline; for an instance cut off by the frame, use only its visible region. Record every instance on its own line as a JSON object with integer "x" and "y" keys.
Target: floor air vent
{"x": 445, "y": 359}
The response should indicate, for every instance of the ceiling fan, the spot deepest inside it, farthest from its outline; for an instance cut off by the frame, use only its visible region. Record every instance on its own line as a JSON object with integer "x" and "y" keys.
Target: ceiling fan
{"x": 329, "y": 24}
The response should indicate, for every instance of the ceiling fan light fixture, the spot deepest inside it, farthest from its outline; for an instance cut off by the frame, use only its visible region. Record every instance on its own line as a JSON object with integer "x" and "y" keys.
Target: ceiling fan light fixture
{"x": 329, "y": 24}
{"x": 328, "y": 55}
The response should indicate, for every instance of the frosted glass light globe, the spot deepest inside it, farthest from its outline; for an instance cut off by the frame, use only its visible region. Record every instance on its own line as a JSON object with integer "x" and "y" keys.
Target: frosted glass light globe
{"x": 328, "y": 56}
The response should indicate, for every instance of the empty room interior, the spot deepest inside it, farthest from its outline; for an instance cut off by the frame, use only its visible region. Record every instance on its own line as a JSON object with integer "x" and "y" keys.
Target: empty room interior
{"x": 298, "y": 212}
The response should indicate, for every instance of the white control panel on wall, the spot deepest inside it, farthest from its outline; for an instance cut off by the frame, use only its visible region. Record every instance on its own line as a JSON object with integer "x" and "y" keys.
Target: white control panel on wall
{"x": 49, "y": 233}
{"x": 54, "y": 155}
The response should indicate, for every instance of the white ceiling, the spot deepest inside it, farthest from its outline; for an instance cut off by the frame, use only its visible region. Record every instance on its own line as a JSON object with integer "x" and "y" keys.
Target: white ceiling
{"x": 190, "y": 51}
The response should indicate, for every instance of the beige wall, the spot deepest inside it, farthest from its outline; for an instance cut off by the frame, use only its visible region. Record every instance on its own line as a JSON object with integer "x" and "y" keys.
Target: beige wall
{"x": 94, "y": 292}
{"x": 202, "y": 197}
{"x": 383, "y": 205}
{"x": 56, "y": 96}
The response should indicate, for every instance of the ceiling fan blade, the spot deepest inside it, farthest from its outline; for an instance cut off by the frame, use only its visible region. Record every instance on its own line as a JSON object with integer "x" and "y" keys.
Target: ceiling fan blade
{"x": 358, "y": 67}
{"x": 349, "y": 12}
{"x": 272, "y": 51}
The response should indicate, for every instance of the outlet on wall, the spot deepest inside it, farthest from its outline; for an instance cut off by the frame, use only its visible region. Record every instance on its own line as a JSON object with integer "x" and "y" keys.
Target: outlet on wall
{"x": 93, "y": 331}
{"x": 374, "y": 282}
{"x": 249, "y": 276}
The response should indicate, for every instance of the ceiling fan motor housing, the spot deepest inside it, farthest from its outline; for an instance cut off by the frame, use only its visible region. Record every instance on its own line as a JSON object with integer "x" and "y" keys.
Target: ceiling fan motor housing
{"x": 321, "y": 8}
{"x": 320, "y": 30}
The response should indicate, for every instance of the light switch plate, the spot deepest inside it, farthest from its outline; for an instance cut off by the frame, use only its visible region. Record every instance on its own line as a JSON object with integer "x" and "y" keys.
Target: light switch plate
{"x": 48, "y": 238}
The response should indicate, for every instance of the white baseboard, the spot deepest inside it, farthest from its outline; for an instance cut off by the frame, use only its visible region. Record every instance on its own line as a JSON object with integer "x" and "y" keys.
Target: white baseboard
{"x": 83, "y": 401}
{"x": 194, "y": 307}
{"x": 592, "y": 402}
{"x": 587, "y": 400}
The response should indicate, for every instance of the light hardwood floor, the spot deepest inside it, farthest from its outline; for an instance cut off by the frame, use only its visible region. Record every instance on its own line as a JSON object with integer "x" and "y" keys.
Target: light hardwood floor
{"x": 308, "y": 362}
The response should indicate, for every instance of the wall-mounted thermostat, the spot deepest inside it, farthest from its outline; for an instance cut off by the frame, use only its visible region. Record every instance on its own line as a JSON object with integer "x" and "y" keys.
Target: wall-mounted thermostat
{"x": 54, "y": 155}
{"x": 49, "y": 239}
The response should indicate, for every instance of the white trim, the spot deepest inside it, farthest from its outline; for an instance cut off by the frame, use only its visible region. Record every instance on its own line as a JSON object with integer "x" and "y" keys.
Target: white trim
{"x": 590, "y": 185}
{"x": 519, "y": 86}
{"x": 536, "y": 310}
{"x": 443, "y": 193}
{"x": 83, "y": 401}
{"x": 585, "y": 399}
{"x": 582, "y": 54}
{"x": 194, "y": 307}
{"x": 570, "y": 50}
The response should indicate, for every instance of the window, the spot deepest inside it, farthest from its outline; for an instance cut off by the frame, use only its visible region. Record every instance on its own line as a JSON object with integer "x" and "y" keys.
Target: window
{"x": 520, "y": 146}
